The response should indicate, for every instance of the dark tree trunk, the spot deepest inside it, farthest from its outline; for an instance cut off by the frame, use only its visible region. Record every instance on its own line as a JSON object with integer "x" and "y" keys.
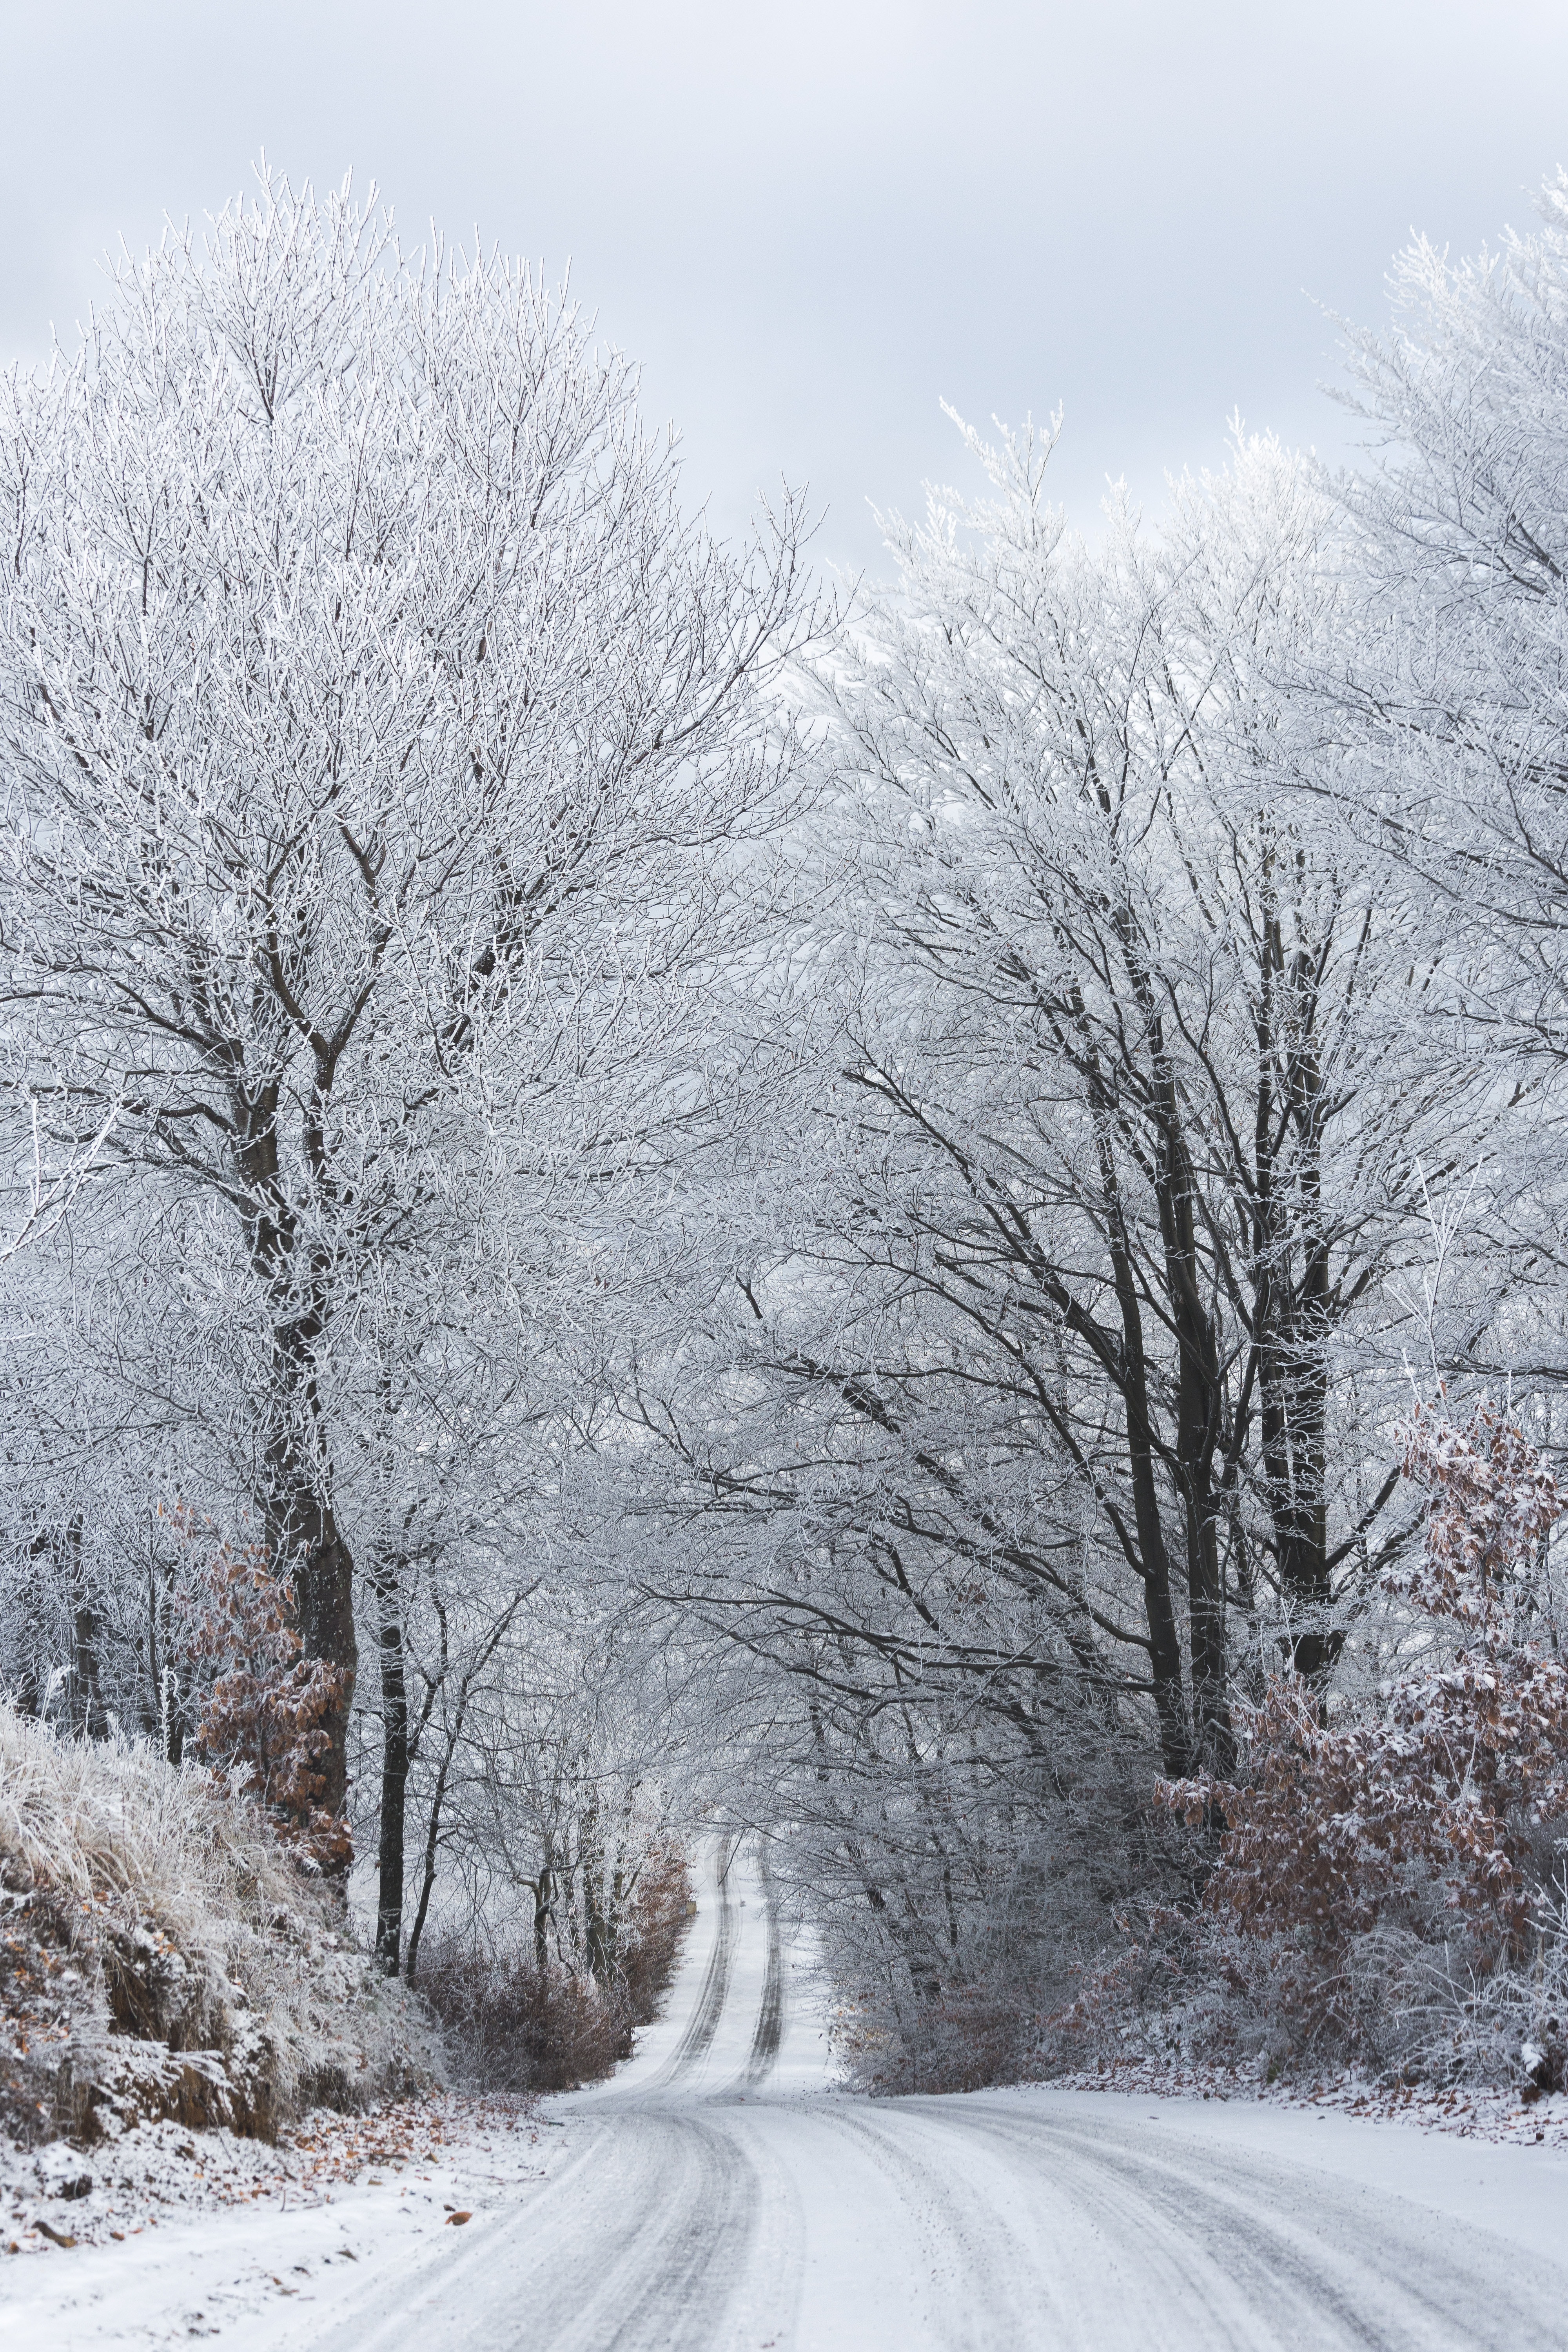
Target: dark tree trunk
{"x": 1304, "y": 1556}
{"x": 149, "y": 1657}
{"x": 432, "y": 1848}
{"x": 1198, "y": 1410}
{"x": 88, "y": 1716}
{"x": 454, "y": 1731}
{"x": 543, "y": 1906}
{"x": 1199, "y": 1406}
{"x": 393, "y": 1773}
{"x": 1132, "y": 1379}
{"x": 598, "y": 1938}
{"x": 304, "y": 1540}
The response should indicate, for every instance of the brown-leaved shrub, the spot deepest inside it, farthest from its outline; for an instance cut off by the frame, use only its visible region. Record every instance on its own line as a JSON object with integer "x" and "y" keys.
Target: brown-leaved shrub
{"x": 1425, "y": 1811}
{"x": 264, "y": 1708}
{"x": 513, "y": 2025}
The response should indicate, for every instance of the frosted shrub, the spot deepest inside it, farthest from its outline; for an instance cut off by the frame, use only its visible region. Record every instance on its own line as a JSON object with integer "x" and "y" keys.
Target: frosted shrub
{"x": 989, "y": 1902}
{"x": 1359, "y": 1849}
{"x": 516, "y": 2022}
{"x": 513, "y": 2026}
{"x": 163, "y": 1955}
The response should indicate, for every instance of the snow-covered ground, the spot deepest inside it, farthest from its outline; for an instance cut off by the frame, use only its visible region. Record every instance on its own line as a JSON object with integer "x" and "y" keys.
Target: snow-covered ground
{"x": 719, "y": 2193}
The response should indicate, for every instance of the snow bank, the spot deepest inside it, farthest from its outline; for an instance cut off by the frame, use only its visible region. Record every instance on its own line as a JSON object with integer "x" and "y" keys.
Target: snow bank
{"x": 161, "y": 1956}
{"x": 263, "y": 2245}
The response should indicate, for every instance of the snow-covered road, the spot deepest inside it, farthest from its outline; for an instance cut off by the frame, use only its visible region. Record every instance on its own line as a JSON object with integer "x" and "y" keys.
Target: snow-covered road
{"x": 719, "y": 2193}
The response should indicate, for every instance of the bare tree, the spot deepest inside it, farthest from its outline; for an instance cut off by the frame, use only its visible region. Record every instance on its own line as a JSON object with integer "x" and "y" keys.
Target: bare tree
{"x": 374, "y": 726}
{"x": 1457, "y": 563}
{"x": 1109, "y": 1096}
{"x": 1037, "y": 1385}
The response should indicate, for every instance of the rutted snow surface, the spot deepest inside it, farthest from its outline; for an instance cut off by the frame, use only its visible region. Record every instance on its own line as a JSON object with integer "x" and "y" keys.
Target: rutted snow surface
{"x": 718, "y": 2194}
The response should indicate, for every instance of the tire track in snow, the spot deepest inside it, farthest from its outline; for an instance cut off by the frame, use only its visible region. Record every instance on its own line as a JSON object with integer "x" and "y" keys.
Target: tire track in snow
{"x": 766, "y": 2041}
{"x": 697, "y": 2040}
{"x": 1251, "y": 2251}
{"x": 978, "y": 2292}
{"x": 684, "y": 2290}
{"x": 637, "y": 2245}
{"x": 1022, "y": 2231}
{"x": 659, "y": 2253}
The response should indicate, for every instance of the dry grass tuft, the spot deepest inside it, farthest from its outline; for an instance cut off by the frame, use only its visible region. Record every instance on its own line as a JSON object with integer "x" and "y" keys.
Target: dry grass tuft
{"x": 161, "y": 1954}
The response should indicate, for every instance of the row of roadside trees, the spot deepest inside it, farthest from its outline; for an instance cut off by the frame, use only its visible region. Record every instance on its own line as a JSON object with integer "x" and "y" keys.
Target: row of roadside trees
{"x": 850, "y": 1196}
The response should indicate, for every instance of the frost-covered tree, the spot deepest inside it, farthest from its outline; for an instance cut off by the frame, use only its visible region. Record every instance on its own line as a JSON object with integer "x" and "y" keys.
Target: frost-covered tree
{"x": 374, "y": 726}
{"x": 1041, "y": 1388}
{"x": 1110, "y": 1076}
{"x": 1458, "y": 564}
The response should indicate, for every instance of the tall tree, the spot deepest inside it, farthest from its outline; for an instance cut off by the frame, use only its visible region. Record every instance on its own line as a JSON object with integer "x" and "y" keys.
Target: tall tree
{"x": 1119, "y": 1083}
{"x": 372, "y": 723}
{"x": 1457, "y": 562}
{"x": 1051, "y": 1344}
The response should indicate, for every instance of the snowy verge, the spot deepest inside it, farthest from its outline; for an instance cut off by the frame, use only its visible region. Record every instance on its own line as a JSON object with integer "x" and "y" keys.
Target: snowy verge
{"x": 1505, "y": 2117}
{"x": 66, "y": 2195}
{"x": 185, "y": 2235}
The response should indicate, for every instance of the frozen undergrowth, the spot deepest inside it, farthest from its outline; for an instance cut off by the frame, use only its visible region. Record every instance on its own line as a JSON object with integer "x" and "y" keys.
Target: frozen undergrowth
{"x": 162, "y": 1956}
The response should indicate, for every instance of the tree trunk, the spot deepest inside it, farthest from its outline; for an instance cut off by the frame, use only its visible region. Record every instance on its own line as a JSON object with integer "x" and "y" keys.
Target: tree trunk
{"x": 432, "y": 1848}
{"x": 1199, "y": 1403}
{"x": 543, "y": 1904}
{"x": 304, "y": 1540}
{"x": 89, "y": 1717}
{"x": 476, "y": 1666}
{"x": 393, "y": 1773}
{"x": 1132, "y": 1379}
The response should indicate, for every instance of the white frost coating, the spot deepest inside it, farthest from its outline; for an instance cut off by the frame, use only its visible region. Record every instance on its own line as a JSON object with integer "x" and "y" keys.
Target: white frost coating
{"x": 710, "y": 2199}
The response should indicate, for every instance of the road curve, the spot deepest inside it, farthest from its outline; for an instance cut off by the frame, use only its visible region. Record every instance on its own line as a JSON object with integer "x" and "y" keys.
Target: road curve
{"x": 720, "y": 2195}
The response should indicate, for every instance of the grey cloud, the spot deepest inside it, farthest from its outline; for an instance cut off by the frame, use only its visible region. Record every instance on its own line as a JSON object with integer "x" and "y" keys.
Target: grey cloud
{"x": 812, "y": 222}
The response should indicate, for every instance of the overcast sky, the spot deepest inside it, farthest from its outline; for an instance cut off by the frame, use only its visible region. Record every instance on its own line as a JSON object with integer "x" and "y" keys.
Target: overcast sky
{"x": 814, "y": 222}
